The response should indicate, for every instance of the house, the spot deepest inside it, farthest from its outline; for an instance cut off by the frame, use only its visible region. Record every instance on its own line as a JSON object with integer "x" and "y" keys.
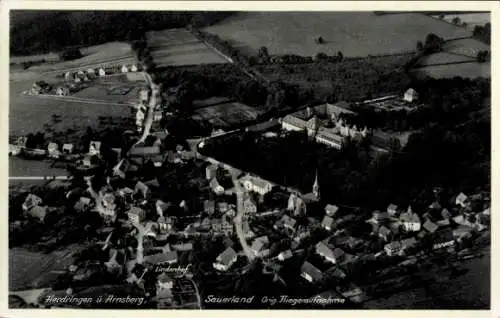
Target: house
{"x": 169, "y": 257}
{"x": 108, "y": 206}
{"x": 90, "y": 71}
{"x": 124, "y": 69}
{"x": 126, "y": 194}
{"x": 247, "y": 231}
{"x": 62, "y": 91}
{"x": 460, "y": 219}
{"x": 331, "y": 210}
{"x": 225, "y": 260}
{"x": 410, "y": 221}
{"x": 183, "y": 247}
{"x": 259, "y": 244}
{"x": 136, "y": 215}
{"x": 430, "y": 226}
{"x": 102, "y": 72}
{"x": 445, "y": 214}
{"x": 285, "y": 255}
{"x": 31, "y": 201}
{"x": 327, "y": 223}
{"x": 165, "y": 224}
{"x": 38, "y": 212}
{"x": 486, "y": 211}
{"x": 462, "y": 232}
{"x": 210, "y": 172}
{"x": 408, "y": 243}
{"x": 95, "y": 148}
{"x": 133, "y": 68}
{"x": 216, "y": 187}
{"x": 289, "y": 222}
{"x": 410, "y": 95}
{"x": 461, "y": 200}
{"x": 379, "y": 217}
{"x": 384, "y": 233}
{"x": 67, "y": 149}
{"x": 392, "y": 209}
{"x": 249, "y": 205}
{"x": 393, "y": 248}
{"x": 53, "y": 150}
{"x": 164, "y": 282}
{"x": 443, "y": 239}
{"x": 310, "y": 272}
{"x": 443, "y": 223}
{"x": 142, "y": 190}
{"x": 209, "y": 206}
{"x": 256, "y": 184}
{"x": 334, "y": 256}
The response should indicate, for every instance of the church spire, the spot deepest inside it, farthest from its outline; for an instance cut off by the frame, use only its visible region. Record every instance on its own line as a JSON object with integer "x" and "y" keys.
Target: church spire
{"x": 315, "y": 189}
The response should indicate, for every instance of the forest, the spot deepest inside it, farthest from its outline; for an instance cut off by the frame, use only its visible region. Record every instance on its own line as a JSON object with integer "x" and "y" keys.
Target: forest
{"x": 36, "y": 32}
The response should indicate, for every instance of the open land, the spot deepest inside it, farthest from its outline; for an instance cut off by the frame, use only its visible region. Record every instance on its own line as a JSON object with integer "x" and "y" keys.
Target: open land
{"x": 352, "y": 33}
{"x": 176, "y": 47}
{"x": 469, "y": 69}
{"x": 226, "y": 114}
{"x": 472, "y": 19}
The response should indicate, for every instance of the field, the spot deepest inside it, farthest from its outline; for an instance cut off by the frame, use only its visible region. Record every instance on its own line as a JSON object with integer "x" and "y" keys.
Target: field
{"x": 115, "y": 53}
{"x": 227, "y": 114}
{"x": 457, "y": 59}
{"x": 26, "y": 267}
{"x": 353, "y": 33}
{"x": 471, "y": 19}
{"x": 28, "y": 114}
{"x": 121, "y": 88}
{"x": 176, "y": 47}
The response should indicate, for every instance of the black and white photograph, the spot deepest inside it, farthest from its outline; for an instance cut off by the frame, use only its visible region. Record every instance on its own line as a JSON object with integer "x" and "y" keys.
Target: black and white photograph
{"x": 249, "y": 159}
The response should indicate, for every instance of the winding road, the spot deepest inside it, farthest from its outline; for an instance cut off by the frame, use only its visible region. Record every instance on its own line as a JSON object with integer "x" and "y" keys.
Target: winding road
{"x": 238, "y": 219}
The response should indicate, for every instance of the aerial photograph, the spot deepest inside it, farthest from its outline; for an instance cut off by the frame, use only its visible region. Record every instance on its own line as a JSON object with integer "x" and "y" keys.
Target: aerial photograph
{"x": 249, "y": 159}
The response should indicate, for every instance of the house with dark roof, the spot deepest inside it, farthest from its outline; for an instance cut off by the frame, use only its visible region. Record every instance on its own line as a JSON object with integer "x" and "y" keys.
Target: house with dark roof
{"x": 331, "y": 210}
{"x": 225, "y": 260}
{"x": 334, "y": 256}
{"x": 410, "y": 221}
{"x": 327, "y": 223}
{"x": 282, "y": 256}
{"x": 443, "y": 239}
{"x": 259, "y": 244}
{"x": 393, "y": 248}
{"x": 310, "y": 272}
{"x": 430, "y": 226}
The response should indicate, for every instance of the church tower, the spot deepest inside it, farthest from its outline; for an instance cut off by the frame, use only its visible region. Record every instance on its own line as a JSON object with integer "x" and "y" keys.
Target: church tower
{"x": 315, "y": 189}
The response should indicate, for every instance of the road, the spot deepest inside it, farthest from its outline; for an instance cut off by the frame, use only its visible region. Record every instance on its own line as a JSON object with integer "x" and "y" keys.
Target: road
{"x": 238, "y": 219}
{"x": 79, "y": 100}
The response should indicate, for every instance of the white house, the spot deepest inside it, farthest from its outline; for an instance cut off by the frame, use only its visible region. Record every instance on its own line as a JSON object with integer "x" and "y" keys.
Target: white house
{"x": 102, "y": 72}
{"x": 133, "y": 68}
{"x": 410, "y": 95}
{"x": 225, "y": 260}
{"x": 136, "y": 215}
{"x": 392, "y": 209}
{"x": 310, "y": 273}
{"x": 53, "y": 150}
{"x": 255, "y": 184}
{"x": 410, "y": 221}
{"x": 124, "y": 69}
{"x": 95, "y": 148}
{"x": 67, "y": 149}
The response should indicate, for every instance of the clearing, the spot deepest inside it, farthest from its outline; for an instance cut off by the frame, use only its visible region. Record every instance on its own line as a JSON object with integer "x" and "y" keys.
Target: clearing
{"x": 176, "y": 47}
{"x": 353, "y": 33}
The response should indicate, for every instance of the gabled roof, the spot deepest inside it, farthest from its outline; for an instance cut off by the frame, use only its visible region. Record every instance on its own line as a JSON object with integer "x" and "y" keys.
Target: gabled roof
{"x": 393, "y": 245}
{"x": 136, "y": 210}
{"x": 331, "y": 209}
{"x": 312, "y": 271}
{"x": 430, "y": 226}
{"x": 294, "y": 121}
{"x": 327, "y": 221}
{"x": 461, "y": 197}
{"x": 409, "y": 217}
{"x": 170, "y": 256}
{"x": 227, "y": 256}
{"x": 324, "y": 249}
{"x": 384, "y": 231}
{"x": 38, "y": 212}
{"x": 445, "y": 213}
{"x": 408, "y": 242}
{"x": 259, "y": 243}
{"x": 288, "y": 221}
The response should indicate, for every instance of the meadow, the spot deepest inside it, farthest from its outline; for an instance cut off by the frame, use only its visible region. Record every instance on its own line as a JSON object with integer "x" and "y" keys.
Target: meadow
{"x": 353, "y": 33}
{"x": 177, "y": 47}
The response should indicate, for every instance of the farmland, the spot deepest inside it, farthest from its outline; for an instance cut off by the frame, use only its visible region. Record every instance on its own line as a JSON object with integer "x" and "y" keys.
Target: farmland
{"x": 470, "y": 19}
{"x": 28, "y": 114}
{"x": 352, "y": 33}
{"x": 176, "y": 47}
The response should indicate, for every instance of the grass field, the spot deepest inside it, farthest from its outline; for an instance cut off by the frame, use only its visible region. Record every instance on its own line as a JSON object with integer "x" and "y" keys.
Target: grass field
{"x": 227, "y": 114}
{"x": 28, "y": 114}
{"x": 470, "y": 70}
{"x": 178, "y": 47}
{"x": 471, "y": 19}
{"x": 353, "y": 33}
{"x": 26, "y": 267}
{"x": 122, "y": 88}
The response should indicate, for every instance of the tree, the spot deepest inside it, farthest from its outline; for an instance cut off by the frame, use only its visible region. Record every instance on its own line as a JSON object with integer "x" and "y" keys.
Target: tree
{"x": 340, "y": 56}
{"x": 441, "y": 16}
{"x": 263, "y": 55}
{"x": 456, "y": 20}
{"x": 482, "y": 56}
{"x": 433, "y": 43}
{"x": 320, "y": 56}
{"x": 420, "y": 46}
{"x": 70, "y": 54}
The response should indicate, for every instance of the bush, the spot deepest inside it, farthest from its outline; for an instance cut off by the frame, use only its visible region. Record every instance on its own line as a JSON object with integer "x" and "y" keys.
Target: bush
{"x": 70, "y": 54}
